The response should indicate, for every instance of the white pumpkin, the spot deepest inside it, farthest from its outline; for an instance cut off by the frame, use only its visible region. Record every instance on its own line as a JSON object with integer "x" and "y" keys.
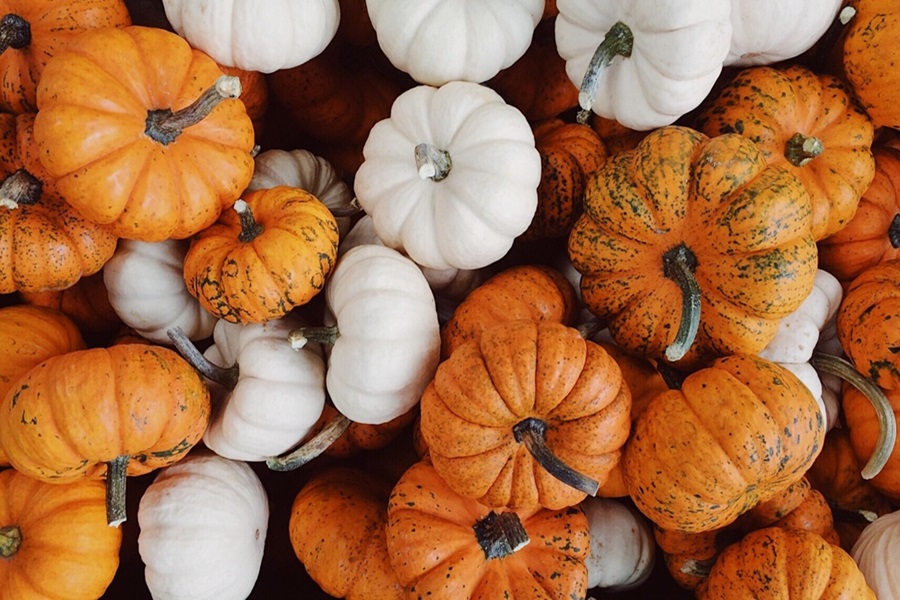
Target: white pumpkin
{"x": 145, "y": 282}
{"x": 304, "y": 170}
{"x": 387, "y": 344}
{"x": 203, "y": 524}
{"x": 278, "y": 396}
{"x": 438, "y": 41}
{"x": 623, "y": 549}
{"x": 770, "y": 31}
{"x": 877, "y": 552}
{"x": 253, "y": 35}
{"x": 662, "y": 57}
{"x": 450, "y": 179}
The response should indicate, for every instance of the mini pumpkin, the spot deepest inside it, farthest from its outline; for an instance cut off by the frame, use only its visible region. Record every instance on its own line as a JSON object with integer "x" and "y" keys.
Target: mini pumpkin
{"x": 86, "y": 303}
{"x": 876, "y": 554}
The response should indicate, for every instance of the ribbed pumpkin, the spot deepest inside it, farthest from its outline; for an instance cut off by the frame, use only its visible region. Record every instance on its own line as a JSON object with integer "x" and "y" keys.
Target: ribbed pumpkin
{"x": 735, "y": 434}
{"x": 86, "y": 303}
{"x": 693, "y": 230}
{"x": 529, "y": 413}
{"x": 806, "y": 123}
{"x": 54, "y": 540}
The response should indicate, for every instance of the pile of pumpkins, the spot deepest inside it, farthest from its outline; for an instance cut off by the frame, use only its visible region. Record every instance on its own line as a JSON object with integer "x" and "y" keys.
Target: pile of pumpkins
{"x": 446, "y": 299}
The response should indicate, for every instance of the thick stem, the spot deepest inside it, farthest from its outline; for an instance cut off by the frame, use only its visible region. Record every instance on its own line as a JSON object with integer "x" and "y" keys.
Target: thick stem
{"x": 532, "y": 432}
{"x": 432, "y": 162}
{"x": 116, "y": 474}
{"x": 250, "y": 227}
{"x": 698, "y": 568}
{"x": 894, "y": 231}
{"x": 618, "y": 41}
{"x": 15, "y": 32}
{"x": 500, "y": 535}
{"x": 673, "y": 379}
{"x": 590, "y": 328}
{"x": 165, "y": 125}
{"x": 10, "y": 540}
{"x": 20, "y": 189}
{"x": 301, "y": 336}
{"x": 227, "y": 377}
{"x": 800, "y": 149}
{"x": 679, "y": 264}
{"x": 887, "y": 421}
{"x": 318, "y": 444}
{"x": 351, "y": 210}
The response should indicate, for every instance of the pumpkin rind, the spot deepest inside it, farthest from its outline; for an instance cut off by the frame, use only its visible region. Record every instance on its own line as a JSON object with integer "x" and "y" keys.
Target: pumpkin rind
{"x": 876, "y": 553}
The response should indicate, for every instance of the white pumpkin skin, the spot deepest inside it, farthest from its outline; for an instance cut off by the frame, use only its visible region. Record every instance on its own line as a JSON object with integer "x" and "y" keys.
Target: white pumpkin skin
{"x": 145, "y": 281}
{"x": 203, "y": 524}
{"x": 470, "y": 218}
{"x": 877, "y": 552}
{"x": 678, "y": 53}
{"x": 623, "y": 549}
{"x": 389, "y": 344}
{"x": 279, "y": 396}
{"x": 254, "y": 35}
{"x": 438, "y": 41}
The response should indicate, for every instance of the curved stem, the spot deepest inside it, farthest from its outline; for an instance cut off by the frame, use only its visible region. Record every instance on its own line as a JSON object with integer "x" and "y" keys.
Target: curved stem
{"x": 351, "y": 210}
{"x": 887, "y": 421}
{"x": 500, "y": 535}
{"x": 20, "y": 189}
{"x": 532, "y": 432}
{"x": 116, "y": 475}
{"x": 227, "y": 377}
{"x": 15, "y": 32}
{"x": 894, "y": 231}
{"x": 698, "y": 568}
{"x": 679, "y": 264}
{"x": 590, "y": 328}
{"x": 618, "y": 41}
{"x": 318, "y": 444}
{"x": 250, "y": 227}
{"x": 318, "y": 335}
{"x": 672, "y": 378}
{"x": 10, "y": 540}
{"x": 432, "y": 162}
{"x": 800, "y": 149}
{"x": 165, "y": 125}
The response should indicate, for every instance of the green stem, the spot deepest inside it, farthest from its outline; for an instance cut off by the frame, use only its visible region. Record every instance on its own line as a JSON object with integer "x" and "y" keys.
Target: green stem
{"x": 894, "y": 231}
{"x": 432, "y": 162}
{"x": 887, "y": 421}
{"x": 500, "y": 535}
{"x": 227, "y": 377}
{"x": 10, "y": 540}
{"x": 20, "y": 189}
{"x": 318, "y": 444}
{"x": 618, "y": 41}
{"x": 301, "y": 336}
{"x": 532, "y": 433}
{"x": 250, "y": 227}
{"x": 679, "y": 264}
{"x": 165, "y": 125}
{"x": 15, "y": 32}
{"x": 800, "y": 149}
{"x": 116, "y": 475}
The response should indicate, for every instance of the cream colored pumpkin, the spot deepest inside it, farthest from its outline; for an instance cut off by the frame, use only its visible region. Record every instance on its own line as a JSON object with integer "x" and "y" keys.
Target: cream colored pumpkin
{"x": 623, "y": 549}
{"x": 877, "y": 552}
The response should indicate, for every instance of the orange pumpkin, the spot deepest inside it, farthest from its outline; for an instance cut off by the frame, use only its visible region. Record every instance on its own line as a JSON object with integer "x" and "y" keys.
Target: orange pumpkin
{"x": 361, "y": 437}
{"x": 139, "y": 131}
{"x": 86, "y": 303}
{"x": 864, "y": 428}
{"x": 254, "y": 95}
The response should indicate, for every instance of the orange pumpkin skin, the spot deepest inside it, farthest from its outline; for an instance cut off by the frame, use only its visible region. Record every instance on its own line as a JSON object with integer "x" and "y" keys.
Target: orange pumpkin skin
{"x": 338, "y": 529}
{"x": 52, "y": 25}
{"x": 254, "y": 95}
{"x": 515, "y": 371}
{"x": 260, "y": 277}
{"x": 736, "y": 434}
{"x": 784, "y": 563}
{"x": 770, "y": 106}
{"x": 616, "y": 136}
{"x": 360, "y": 437}
{"x": 86, "y": 303}
{"x": 108, "y": 84}
{"x": 73, "y": 413}
{"x": 435, "y": 552}
{"x": 862, "y": 424}
{"x": 67, "y": 550}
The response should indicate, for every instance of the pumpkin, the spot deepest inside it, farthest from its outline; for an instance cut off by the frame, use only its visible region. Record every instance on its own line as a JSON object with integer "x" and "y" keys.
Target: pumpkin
{"x": 735, "y": 434}
{"x": 529, "y": 413}
{"x": 437, "y": 42}
{"x": 86, "y": 303}
{"x": 640, "y": 63}
{"x": 338, "y": 530}
{"x": 616, "y": 136}
{"x": 54, "y": 540}
{"x": 360, "y": 438}
{"x": 867, "y": 425}
{"x": 143, "y": 133}
{"x": 446, "y": 546}
{"x": 33, "y": 31}
{"x": 623, "y": 550}
{"x": 784, "y": 563}
{"x": 137, "y": 408}
{"x": 271, "y": 253}
{"x": 873, "y": 234}
{"x": 203, "y": 525}
{"x": 254, "y": 95}
{"x": 146, "y": 289}
{"x": 254, "y": 37}
{"x": 451, "y": 177}
{"x": 701, "y": 220}
{"x": 806, "y": 123}
{"x": 876, "y": 554}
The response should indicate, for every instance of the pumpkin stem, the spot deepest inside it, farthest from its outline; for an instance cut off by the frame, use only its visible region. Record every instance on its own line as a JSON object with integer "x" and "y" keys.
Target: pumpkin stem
{"x": 679, "y": 264}
{"x": 301, "y": 336}
{"x": 500, "y": 535}
{"x": 432, "y": 162}
{"x": 116, "y": 475}
{"x": 831, "y": 37}
{"x": 671, "y": 377}
{"x": 590, "y": 328}
{"x": 618, "y": 41}
{"x": 316, "y": 445}
{"x": 164, "y": 125}
{"x": 887, "y": 422}
{"x": 250, "y": 227}
{"x": 698, "y": 568}
{"x": 851, "y": 515}
{"x": 351, "y": 210}
{"x": 10, "y": 540}
{"x": 227, "y": 377}
{"x": 800, "y": 149}
{"x": 532, "y": 433}
{"x": 20, "y": 188}
{"x": 894, "y": 231}
{"x": 15, "y": 32}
